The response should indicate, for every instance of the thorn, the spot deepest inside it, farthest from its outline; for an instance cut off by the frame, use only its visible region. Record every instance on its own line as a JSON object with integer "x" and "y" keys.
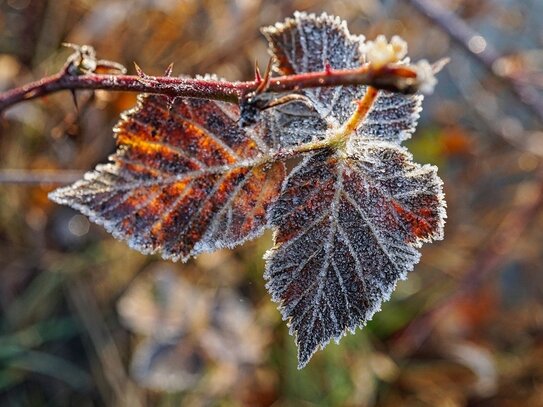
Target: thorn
{"x": 169, "y": 70}
{"x": 266, "y": 80}
{"x": 267, "y": 73}
{"x": 258, "y": 76}
{"x": 70, "y": 45}
{"x": 143, "y": 77}
{"x": 139, "y": 72}
{"x": 327, "y": 68}
{"x": 440, "y": 64}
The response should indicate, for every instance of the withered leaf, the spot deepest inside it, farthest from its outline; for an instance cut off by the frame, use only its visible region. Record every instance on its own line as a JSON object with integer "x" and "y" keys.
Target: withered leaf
{"x": 185, "y": 179}
{"x": 170, "y": 366}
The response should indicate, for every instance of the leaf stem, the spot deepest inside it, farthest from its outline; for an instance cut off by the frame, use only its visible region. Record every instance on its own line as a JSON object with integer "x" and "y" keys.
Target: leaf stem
{"x": 363, "y": 107}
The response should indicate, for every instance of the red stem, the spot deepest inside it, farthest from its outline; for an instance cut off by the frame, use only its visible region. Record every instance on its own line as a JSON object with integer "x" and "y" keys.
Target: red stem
{"x": 395, "y": 78}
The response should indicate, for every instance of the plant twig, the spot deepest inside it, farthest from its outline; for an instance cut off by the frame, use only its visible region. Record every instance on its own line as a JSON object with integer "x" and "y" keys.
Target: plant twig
{"x": 463, "y": 35}
{"x": 77, "y": 75}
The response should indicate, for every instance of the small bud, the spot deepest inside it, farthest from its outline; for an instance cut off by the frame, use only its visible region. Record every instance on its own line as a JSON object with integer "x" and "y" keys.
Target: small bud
{"x": 381, "y": 52}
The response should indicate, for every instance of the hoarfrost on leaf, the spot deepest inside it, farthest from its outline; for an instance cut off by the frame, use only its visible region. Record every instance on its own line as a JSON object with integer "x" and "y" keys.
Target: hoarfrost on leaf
{"x": 347, "y": 230}
{"x": 350, "y": 217}
{"x": 310, "y": 43}
{"x": 185, "y": 179}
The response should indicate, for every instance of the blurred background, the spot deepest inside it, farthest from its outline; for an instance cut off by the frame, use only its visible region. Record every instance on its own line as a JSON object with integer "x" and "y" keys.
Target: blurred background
{"x": 86, "y": 321}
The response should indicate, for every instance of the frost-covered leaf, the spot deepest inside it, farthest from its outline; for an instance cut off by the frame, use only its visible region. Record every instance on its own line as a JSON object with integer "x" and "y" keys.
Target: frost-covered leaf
{"x": 393, "y": 117}
{"x": 348, "y": 225}
{"x": 185, "y": 179}
{"x": 349, "y": 218}
{"x": 291, "y": 124}
{"x": 307, "y": 43}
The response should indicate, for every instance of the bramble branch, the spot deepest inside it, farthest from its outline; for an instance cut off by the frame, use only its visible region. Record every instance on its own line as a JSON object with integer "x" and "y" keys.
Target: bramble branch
{"x": 82, "y": 67}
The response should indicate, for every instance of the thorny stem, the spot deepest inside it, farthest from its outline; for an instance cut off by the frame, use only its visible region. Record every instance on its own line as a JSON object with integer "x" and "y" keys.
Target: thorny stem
{"x": 79, "y": 72}
{"x": 394, "y": 77}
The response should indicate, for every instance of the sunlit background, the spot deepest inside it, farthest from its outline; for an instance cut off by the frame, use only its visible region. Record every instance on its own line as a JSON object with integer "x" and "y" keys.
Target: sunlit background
{"x": 86, "y": 321}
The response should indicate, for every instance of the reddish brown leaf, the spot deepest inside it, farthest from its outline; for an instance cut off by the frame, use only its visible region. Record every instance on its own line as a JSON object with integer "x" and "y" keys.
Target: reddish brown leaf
{"x": 348, "y": 225}
{"x": 185, "y": 179}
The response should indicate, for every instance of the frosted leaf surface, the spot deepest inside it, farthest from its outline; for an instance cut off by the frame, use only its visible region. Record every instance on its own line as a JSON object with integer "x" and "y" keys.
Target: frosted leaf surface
{"x": 185, "y": 179}
{"x": 292, "y": 124}
{"x": 348, "y": 227}
{"x": 306, "y": 43}
{"x": 393, "y": 117}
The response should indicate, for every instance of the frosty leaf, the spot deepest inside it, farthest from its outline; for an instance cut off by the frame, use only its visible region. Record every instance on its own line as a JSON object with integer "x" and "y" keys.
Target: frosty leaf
{"x": 393, "y": 117}
{"x": 307, "y": 43}
{"x": 185, "y": 179}
{"x": 348, "y": 225}
{"x": 292, "y": 124}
